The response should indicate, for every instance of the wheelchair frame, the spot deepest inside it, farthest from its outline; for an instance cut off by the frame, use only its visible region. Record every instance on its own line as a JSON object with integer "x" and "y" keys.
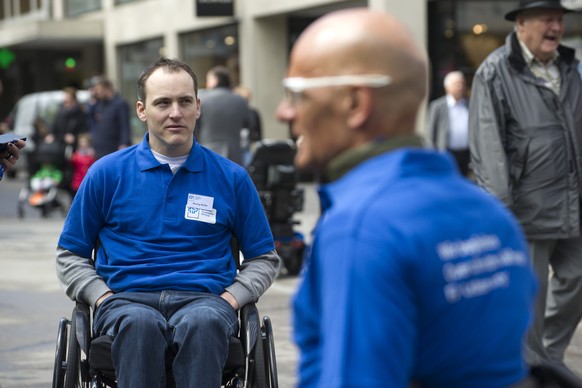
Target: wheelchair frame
{"x": 251, "y": 361}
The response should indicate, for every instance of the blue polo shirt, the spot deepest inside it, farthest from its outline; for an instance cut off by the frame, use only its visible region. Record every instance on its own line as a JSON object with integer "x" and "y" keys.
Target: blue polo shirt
{"x": 161, "y": 231}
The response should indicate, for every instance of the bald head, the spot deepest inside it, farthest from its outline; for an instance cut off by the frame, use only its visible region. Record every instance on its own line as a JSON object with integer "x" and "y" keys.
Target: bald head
{"x": 361, "y": 41}
{"x": 338, "y": 96}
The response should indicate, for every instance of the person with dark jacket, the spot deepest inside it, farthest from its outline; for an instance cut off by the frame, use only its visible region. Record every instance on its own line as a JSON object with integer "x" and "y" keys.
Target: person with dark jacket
{"x": 109, "y": 120}
{"x": 525, "y": 119}
{"x": 70, "y": 121}
{"x": 254, "y": 132}
{"x": 223, "y": 115}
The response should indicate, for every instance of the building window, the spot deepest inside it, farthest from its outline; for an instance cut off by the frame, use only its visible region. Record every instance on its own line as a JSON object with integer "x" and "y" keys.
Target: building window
{"x": 207, "y": 48}
{"x": 10, "y": 9}
{"x": 25, "y": 6}
{"x": 79, "y": 7}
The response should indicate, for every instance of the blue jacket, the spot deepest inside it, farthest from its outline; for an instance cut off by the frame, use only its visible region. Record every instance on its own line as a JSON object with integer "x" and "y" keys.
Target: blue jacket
{"x": 415, "y": 274}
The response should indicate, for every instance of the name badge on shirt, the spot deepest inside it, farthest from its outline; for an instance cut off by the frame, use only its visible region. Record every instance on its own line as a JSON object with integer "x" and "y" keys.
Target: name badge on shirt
{"x": 199, "y": 208}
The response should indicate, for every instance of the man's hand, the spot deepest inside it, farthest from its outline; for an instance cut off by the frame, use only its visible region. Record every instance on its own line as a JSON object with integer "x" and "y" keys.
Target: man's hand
{"x": 102, "y": 298}
{"x": 230, "y": 299}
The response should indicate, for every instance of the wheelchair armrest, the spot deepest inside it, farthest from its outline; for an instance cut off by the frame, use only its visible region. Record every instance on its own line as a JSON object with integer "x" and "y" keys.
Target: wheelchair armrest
{"x": 250, "y": 327}
{"x": 82, "y": 317}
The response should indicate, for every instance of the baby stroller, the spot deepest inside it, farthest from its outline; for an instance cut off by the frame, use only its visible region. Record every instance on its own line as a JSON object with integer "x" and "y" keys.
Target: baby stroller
{"x": 45, "y": 189}
{"x": 275, "y": 177}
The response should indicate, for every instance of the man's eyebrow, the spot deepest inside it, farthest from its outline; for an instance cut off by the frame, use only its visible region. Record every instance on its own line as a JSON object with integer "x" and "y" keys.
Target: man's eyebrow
{"x": 160, "y": 99}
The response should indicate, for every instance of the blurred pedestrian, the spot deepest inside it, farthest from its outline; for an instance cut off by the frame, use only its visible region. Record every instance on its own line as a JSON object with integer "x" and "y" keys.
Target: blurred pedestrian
{"x": 70, "y": 120}
{"x": 416, "y": 277}
{"x": 254, "y": 132}
{"x": 448, "y": 123}
{"x": 109, "y": 119}
{"x": 223, "y": 115}
{"x": 69, "y": 123}
{"x": 526, "y": 148}
{"x": 91, "y": 86}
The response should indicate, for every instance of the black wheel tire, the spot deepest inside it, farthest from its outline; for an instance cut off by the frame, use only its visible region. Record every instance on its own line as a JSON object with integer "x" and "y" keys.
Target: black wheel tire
{"x": 72, "y": 373}
{"x": 270, "y": 356}
{"x": 60, "y": 355}
{"x": 259, "y": 374}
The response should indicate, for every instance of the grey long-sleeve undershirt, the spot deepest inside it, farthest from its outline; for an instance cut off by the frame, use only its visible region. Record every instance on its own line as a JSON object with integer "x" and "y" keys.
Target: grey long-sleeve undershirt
{"x": 81, "y": 282}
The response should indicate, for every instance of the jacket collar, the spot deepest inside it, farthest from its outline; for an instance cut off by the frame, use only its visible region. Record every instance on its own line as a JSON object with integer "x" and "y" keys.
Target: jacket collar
{"x": 349, "y": 159}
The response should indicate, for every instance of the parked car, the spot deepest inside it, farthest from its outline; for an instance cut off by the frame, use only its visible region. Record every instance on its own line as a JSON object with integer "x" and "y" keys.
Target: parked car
{"x": 41, "y": 107}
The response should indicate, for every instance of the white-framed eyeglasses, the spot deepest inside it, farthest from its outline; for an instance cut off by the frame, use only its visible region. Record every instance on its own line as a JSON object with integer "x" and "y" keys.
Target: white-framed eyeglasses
{"x": 295, "y": 86}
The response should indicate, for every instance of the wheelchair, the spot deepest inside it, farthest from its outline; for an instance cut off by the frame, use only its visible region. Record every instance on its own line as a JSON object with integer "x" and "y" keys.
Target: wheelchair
{"x": 272, "y": 170}
{"x": 82, "y": 361}
{"x": 85, "y": 362}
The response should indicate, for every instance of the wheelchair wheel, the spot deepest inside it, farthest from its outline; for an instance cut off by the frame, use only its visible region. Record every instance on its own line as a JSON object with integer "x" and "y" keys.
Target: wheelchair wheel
{"x": 270, "y": 356}
{"x": 60, "y": 354}
{"x": 72, "y": 373}
{"x": 258, "y": 374}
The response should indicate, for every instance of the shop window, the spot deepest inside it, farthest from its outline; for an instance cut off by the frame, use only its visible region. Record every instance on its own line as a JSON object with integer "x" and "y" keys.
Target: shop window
{"x": 207, "y": 48}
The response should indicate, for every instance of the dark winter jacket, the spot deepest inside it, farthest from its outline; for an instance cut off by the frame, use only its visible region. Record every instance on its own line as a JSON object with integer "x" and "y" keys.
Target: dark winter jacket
{"x": 526, "y": 142}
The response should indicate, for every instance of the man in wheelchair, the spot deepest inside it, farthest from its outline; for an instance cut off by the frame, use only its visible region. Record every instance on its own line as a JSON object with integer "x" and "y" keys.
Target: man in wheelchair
{"x": 160, "y": 216}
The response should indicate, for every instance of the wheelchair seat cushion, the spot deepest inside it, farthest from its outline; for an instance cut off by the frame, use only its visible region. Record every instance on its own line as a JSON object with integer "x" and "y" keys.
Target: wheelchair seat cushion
{"x": 100, "y": 361}
{"x": 235, "y": 361}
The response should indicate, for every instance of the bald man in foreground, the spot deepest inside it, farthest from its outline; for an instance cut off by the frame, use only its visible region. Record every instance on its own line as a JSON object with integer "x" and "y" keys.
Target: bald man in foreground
{"x": 415, "y": 277}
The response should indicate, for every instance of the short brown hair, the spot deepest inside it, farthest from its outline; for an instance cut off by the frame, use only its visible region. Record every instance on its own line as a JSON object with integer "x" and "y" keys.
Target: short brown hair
{"x": 172, "y": 65}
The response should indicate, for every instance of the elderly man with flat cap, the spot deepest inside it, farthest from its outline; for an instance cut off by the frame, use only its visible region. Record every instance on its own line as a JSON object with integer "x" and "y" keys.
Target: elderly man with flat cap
{"x": 415, "y": 275}
{"x": 525, "y": 121}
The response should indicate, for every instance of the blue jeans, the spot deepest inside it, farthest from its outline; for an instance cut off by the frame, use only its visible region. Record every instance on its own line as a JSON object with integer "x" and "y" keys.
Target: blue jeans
{"x": 144, "y": 325}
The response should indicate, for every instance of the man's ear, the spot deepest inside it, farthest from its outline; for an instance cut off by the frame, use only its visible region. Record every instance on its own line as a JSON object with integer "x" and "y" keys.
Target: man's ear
{"x": 140, "y": 110}
{"x": 519, "y": 21}
{"x": 198, "y": 111}
{"x": 359, "y": 106}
